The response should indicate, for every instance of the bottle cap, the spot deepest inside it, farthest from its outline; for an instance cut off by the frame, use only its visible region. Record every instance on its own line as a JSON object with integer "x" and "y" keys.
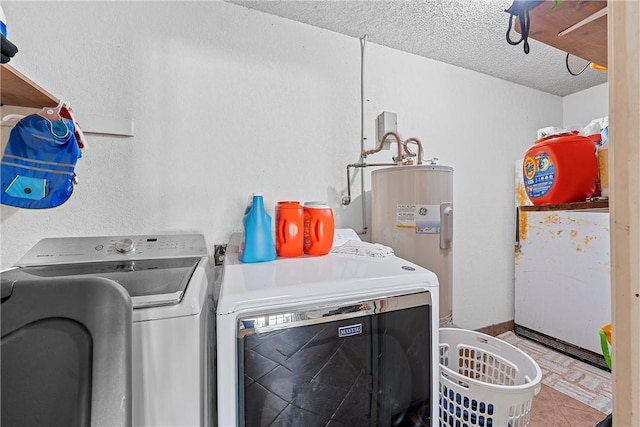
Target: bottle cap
{"x": 316, "y": 204}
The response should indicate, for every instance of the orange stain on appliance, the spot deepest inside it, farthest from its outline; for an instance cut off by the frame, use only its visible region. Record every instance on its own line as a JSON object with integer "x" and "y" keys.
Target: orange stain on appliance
{"x": 552, "y": 219}
{"x": 559, "y": 232}
{"x": 521, "y": 195}
{"x": 574, "y": 235}
{"x": 587, "y": 240}
{"x": 522, "y": 224}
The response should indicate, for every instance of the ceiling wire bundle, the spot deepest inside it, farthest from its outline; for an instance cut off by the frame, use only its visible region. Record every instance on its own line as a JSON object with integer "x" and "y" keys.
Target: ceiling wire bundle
{"x": 519, "y": 9}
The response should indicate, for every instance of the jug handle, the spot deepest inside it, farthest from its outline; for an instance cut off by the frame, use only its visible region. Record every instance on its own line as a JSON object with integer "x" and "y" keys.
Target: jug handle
{"x": 281, "y": 233}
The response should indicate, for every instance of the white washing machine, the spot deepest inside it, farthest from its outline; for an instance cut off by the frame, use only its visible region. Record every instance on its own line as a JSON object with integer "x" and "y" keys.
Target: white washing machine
{"x": 340, "y": 340}
{"x": 170, "y": 279}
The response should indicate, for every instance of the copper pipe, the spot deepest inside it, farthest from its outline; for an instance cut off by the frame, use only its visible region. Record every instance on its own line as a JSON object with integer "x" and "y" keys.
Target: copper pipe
{"x": 347, "y": 200}
{"x": 363, "y": 43}
{"x": 380, "y": 164}
{"x": 409, "y": 152}
{"x": 381, "y": 146}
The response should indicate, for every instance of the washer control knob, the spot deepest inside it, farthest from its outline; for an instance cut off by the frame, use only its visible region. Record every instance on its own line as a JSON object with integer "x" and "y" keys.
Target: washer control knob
{"x": 126, "y": 268}
{"x": 125, "y": 245}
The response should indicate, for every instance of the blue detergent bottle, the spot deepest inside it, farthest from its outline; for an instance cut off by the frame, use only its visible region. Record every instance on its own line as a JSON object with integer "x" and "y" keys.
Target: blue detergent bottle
{"x": 257, "y": 240}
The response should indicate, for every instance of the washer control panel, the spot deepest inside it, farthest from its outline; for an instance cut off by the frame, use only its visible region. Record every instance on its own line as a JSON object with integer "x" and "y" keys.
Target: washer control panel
{"x": 67, "y": 250}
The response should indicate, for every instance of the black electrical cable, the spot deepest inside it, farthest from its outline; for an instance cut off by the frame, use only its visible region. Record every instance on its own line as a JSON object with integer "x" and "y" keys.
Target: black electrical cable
{"x": 566, "y": 61}
{"x": 519, "y": 8}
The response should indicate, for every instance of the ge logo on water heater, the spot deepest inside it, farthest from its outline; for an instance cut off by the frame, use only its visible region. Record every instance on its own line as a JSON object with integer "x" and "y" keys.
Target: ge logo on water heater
{"x": 347, "y": 331}
{"x": 422, "y": 211}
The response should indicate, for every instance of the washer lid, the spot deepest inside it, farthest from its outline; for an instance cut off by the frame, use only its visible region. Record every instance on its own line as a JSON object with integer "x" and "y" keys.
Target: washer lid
{"x": 154, "y": 269}
{"x": 151, "y": 282}
{"x": 72, "y": 250}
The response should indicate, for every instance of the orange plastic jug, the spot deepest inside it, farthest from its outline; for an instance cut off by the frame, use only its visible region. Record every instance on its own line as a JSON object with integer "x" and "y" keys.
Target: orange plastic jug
{"x": 289, "y": 229}
{"x": 560, "y": 169}
{"x": 318, "y": 228}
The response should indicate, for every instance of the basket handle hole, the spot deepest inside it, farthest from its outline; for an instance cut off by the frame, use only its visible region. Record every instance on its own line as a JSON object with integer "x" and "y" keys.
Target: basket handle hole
{"x": 455, "y": 380}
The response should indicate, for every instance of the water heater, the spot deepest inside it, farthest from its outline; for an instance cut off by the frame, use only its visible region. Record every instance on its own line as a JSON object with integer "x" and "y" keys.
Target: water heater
{"x": 412, "y": 212}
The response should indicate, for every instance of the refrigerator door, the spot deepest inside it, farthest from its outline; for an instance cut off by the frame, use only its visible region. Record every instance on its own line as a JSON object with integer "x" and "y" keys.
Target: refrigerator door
{"x": 562, "y": 275}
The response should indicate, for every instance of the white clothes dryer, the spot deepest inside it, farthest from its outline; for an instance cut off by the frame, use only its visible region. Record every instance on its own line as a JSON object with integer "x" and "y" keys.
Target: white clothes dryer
{"x": 334, "y": 340}
{"x": 170, "y": 279}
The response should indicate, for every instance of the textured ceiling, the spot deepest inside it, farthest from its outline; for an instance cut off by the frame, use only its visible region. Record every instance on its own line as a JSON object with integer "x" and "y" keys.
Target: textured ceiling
{"x": 466, "y": 33}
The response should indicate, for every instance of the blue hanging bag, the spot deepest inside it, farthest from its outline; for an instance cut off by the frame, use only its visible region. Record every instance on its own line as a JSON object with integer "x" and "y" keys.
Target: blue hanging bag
{"x": 38, "y": 165}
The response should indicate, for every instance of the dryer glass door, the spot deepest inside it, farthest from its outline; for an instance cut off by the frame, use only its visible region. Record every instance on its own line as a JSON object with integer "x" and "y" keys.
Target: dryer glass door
{"x": 361, "y": 364}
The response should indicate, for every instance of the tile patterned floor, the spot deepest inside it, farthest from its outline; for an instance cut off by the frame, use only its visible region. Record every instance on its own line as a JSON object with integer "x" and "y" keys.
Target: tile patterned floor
{"x": 552, "y": 408}
{"x": 564, "y": 376}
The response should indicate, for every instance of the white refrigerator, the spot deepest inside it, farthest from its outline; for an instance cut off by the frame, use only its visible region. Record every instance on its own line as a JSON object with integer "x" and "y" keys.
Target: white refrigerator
{"x": 562, "y": 275}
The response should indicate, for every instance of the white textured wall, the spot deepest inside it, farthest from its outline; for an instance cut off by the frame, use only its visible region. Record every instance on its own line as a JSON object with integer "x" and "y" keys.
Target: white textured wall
{"x": 227, "y": 101}
{"x": 578, "y": 109}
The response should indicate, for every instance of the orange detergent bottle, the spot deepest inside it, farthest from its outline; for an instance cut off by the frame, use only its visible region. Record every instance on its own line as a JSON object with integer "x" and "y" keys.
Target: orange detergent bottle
{"x": 560, "y": 169}
{"x": 289, "y": 229}
{"x": 318, "y": 228}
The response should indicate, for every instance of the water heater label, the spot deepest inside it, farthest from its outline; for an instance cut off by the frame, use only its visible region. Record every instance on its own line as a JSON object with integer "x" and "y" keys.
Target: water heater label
{"x": 539, "y": 174}
{"x": 406, "y": 216}
{"x": 425, "y": 219}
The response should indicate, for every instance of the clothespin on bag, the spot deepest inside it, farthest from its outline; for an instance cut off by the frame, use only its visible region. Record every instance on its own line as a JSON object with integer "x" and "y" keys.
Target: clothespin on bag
{"x": 67, "y": 113}
{"x": 54, "y": 116}
{"x": 52, "y": 113}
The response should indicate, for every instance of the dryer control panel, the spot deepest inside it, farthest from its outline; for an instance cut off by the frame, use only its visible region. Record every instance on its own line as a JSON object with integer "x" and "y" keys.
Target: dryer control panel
{"x": 67, "y": 250}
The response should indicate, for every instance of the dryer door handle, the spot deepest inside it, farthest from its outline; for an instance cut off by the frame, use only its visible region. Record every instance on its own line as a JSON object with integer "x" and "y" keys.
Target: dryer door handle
{"x": 155, "y": 300}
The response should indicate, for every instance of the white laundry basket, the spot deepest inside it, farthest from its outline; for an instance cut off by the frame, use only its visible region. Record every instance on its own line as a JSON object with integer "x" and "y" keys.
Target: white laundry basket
{"x": 484, "y": 381}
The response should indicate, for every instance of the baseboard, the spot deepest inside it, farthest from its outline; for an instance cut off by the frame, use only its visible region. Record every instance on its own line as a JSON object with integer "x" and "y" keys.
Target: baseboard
{"x": 569, "y": 349}
{"x": 497, "y": 329}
